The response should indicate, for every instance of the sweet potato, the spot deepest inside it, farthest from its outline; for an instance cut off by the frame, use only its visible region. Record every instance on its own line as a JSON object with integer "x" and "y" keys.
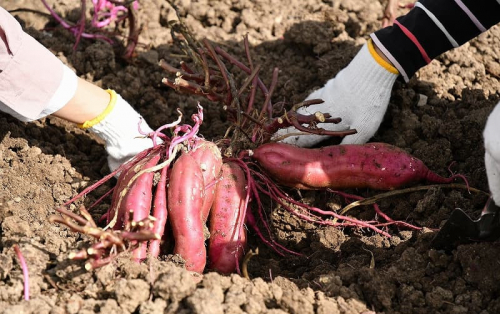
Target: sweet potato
{"x": 124, "y": 177}
{"x": 138, "y": 199}
{"x": 159, "y": 212}
{"x": 227, "y": 233}
{"x": 373, "y": 165}
{"x": 186, "y": 193}
{"x": 208, "y": 156}
{"x": 138, "y": 196}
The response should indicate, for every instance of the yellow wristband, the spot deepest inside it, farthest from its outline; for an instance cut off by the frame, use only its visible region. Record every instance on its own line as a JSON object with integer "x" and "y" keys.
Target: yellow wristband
{"x": 386, "y": 65}
{"x": 99, "y": 118}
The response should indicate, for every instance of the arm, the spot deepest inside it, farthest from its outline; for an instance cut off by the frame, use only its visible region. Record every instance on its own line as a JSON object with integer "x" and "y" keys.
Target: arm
{"x": 34, "y": 84}
{"x": 431, "y": 28}
{"x": 360, "y": 93}
{"x": 87, "y": 103}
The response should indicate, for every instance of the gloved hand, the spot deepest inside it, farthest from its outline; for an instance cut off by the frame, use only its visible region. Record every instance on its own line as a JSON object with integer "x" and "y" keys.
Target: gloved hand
{"x": 359, "y": 94}
{"x": 492, "y": 155}
{"x": 118, "y": 126}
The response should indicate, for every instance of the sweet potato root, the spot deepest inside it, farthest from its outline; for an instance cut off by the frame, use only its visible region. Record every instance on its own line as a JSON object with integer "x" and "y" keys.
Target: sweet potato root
{"x": 186, "y": 193}
{"x": 227, "y": 233}
{"x": 160, "y": 212}
{"x": 374, "y": 165}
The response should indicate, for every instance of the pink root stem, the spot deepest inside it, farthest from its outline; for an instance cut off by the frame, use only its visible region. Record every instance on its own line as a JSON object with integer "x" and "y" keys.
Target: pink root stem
{"x": 240, "y": 65}
{"x": 378, "y": 211}
{"x": 99, "y": 200}
{"x": 250, "y": 219}
{"x": 111, "y": 175}
{"x": 252, "y": 188}
{"x": 279, "y": 196}
{"x": 190, "y": 132}
{"x": 457, "y": 175}
{"x": 24, "y": 268}
{"x": 253, "y": 223}
{"x": 76, "y": 30}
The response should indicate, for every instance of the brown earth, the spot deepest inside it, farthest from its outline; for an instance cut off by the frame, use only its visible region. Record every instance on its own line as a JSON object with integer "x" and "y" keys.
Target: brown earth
{"x": 438, "y": 117}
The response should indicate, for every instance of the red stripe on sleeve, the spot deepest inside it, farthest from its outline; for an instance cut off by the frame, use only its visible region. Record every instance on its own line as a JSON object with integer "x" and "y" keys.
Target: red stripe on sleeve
{"x": 414, "y": 40}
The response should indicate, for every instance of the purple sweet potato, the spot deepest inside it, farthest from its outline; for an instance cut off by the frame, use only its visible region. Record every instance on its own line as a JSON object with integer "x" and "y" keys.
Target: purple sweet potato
{"x": 186, "y": 193}
{"x": 374, "y": 165}
{"x": 208, "y": 156}
{"x": 227, "y": 233}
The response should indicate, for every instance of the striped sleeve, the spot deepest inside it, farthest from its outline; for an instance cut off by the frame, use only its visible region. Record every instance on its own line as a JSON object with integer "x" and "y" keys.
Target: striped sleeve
{"x": 433, "y": 27}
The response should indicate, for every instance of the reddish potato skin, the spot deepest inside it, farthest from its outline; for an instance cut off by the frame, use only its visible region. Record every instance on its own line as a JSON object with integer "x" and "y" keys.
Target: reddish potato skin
{"x": 226, "y": 220}
{"x": 208, "y": 156}
{"x": 139, "y": 194}
{"x": 186, "y": 193}
{"x": 159, "y": 212}
{"x": 139, "y": 199}
{"x": 374, "y": 165}
{"x": 121, "y": 183}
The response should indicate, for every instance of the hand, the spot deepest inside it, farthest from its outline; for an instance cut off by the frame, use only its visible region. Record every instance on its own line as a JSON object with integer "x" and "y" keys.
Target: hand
{"x": 492, "y": 153}
{"x": 359, "y": 95}
{"x": 119, "y": 128}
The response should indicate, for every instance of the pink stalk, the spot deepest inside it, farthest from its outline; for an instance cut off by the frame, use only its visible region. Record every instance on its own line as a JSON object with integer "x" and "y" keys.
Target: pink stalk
{"x": 138, "y": 157}
{"x": 252, "y": 188}
{"x": 24, "y": 268}
{"x": 250, "y": 219}
{"x": 190, "y": 131}
{"x": 378, "y": 211}
{"x": 100, "y": 7}
{"x": 157, "y": 133}
{"x": 279, "y": 196}
{"x": 240, "y": 65}
{"x": 76, "y": 30}
{"x": 99, "y": 200}
{"x": 276, "y": 192}
{"x": 109, "y": 176}
{"x": 267, "y": 103}
{"x": 253, "y": 92}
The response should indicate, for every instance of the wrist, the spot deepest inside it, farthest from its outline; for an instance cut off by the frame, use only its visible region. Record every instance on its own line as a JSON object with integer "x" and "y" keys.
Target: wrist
{"x": 366, "y": 74}
{"x": 97, "y": 119}
{"x": 381, "y": 59}
{"x": 88, "y": 102}
{"x": 123, "y": 130}
{"x": 381, "y": 54}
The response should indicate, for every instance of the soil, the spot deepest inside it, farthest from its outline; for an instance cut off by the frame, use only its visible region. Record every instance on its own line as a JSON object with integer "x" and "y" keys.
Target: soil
{"x": 438, "y": 116}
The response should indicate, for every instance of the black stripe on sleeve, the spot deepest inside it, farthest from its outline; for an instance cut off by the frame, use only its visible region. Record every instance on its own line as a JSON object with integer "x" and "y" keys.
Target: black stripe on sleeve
{"x": 454, "y": 19}
{"x": 487, "y": 12}
{"x": 456, "y": 22}
{"x": 429, "y": 35}
{"x": 401, "y": 48}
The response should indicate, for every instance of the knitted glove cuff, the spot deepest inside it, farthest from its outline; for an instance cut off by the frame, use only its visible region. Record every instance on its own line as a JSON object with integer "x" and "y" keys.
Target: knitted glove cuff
{"x": 123, "y": 130}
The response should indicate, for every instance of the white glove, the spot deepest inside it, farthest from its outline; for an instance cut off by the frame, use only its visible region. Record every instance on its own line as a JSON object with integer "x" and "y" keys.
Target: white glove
{"x": 492, "y": 155}
{"x": 359, "y": 95}
{"x": 118, "y": 126}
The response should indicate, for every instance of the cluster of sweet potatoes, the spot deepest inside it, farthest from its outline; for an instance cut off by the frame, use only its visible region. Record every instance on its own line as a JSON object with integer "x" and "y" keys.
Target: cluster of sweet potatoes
{"x": 185, "y": 183}
{"x": 198, "y": 188}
